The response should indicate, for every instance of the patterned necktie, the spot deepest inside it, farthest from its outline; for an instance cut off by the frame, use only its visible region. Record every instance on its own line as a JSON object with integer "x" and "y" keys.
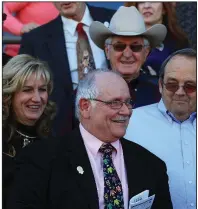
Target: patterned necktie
{"x": 84, "y": 52}
{"x": 113, "y": 195}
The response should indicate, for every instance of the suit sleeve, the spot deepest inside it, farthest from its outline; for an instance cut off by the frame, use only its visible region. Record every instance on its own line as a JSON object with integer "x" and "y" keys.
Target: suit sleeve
{"x": 162, "y": 198}
{"x": 26, "y": 46}
{"x": 30, "y": 185}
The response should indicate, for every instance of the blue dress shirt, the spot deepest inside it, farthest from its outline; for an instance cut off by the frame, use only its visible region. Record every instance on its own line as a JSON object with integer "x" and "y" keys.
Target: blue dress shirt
{"x": 154, "y": 128}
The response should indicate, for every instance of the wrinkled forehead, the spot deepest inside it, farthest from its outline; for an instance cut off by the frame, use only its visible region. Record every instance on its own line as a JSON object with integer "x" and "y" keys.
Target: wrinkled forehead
{"x": 181, "y": 67}
{"x": 128, "y": 39}
{"x": 112, "y": 86}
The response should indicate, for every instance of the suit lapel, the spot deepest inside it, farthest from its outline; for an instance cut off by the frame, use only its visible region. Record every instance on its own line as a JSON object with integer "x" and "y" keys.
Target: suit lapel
{"x": 76, "y": 152}
{"x": 85, "y": 181}
{"x": 100, "y": 14}
{"x": 55, "y": 41}
{"x": 133, "y": 168}
{"x": 93, "y": 13}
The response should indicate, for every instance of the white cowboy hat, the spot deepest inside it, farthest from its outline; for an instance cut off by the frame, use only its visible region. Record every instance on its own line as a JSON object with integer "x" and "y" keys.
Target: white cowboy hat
{"x": 127, "y": 21}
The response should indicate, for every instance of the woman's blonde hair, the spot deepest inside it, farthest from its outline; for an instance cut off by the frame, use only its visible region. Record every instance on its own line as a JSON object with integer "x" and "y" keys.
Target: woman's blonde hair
{"x": 15, "y": 73}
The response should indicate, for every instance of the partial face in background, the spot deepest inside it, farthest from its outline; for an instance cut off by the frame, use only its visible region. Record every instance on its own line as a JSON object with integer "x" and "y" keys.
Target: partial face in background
{"x": 29, "y": 102}
{"x": 180, "y": 70}
{"x": 71, "y": 10}
{"x": 152, "y": 12}
{"x": 105, "y": 123}
{"x": 127, "y": 62}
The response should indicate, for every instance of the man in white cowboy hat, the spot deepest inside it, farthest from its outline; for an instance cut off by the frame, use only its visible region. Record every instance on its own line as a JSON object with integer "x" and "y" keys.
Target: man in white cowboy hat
{"x": 127, "y": 43}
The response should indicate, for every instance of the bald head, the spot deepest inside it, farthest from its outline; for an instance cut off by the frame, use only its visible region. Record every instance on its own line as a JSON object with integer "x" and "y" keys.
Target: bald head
{"x": 107, "y": 82}
{"x": 98, "y": 82}
{"x": 103, "y": 104}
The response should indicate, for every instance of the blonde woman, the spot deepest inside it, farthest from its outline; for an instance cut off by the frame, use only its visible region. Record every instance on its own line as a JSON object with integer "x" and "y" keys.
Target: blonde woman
{"x": 27, "y": 112}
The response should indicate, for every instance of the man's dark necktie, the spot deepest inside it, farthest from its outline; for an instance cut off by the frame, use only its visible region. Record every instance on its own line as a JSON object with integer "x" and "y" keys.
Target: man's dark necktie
{"x": 84, "y": 52}
{"x": 113, "y": 194}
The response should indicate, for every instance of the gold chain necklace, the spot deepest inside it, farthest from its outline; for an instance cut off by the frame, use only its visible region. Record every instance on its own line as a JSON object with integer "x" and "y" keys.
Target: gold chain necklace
{"x": 11, "y": 152}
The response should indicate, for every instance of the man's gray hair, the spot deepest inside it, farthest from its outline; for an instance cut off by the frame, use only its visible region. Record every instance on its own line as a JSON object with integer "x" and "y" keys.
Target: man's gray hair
{"x": 109, "y": 41}
{"x": 87, "y": 87}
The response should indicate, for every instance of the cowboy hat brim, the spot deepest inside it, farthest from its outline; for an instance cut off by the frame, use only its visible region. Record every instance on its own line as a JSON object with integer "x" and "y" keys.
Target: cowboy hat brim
{"x": 99, "y": 33}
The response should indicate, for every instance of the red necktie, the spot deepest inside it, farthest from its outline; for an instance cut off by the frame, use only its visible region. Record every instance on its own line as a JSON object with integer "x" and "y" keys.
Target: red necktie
{"x": 84, "y": 52}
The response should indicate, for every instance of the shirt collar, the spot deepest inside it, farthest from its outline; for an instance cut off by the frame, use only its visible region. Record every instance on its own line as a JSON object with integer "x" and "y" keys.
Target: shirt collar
{"x": 87, "y": 19}
{"x": 70, "y": 24}
{"x": 93, "y": 143}
{"x": 193, "y": 116}
{"x": 170, "y": 116}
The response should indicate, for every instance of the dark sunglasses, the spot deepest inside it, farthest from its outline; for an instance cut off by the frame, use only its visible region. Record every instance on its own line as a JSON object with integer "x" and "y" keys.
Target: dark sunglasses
{"x": 173, "y": 87}
{"x": 120, "y": 47}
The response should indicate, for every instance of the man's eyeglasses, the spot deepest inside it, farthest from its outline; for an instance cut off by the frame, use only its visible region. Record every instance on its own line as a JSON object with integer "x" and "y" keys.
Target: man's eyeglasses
{"x": 173, "y": 87}
{"x": 116, "y": 104}
{"x": 120, "y": 47}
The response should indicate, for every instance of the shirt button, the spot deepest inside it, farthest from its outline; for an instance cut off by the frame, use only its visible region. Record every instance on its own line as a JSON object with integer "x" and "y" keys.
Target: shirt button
{"x": 135, "y": 89}
{"x": 191, "y": 204}
{"x": 186, "y": 143}
{"x": 190, "y": 182}
{"x": 188, "y": 162}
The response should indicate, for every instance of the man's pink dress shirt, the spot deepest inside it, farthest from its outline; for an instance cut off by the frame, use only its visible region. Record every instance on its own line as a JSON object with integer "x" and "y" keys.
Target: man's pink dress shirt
{"x": 92, "y": 145}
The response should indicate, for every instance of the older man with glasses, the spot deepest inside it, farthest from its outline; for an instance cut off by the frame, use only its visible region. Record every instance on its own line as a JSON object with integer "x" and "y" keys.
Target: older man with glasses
{"x": 168, "y": 128}
{"x": 127, "y": 44}
{"x": 93, "y": 166}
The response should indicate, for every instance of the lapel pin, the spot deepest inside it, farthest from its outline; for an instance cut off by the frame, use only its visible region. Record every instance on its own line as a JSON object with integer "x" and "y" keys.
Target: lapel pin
{"x": 80, "y": 170}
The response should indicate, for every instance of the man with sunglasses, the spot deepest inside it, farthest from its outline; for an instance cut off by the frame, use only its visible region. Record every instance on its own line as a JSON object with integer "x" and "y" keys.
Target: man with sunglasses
{"x": 127, "y": 43}
{"x": 94, "y": 166}
{"x": 168, "y": 128}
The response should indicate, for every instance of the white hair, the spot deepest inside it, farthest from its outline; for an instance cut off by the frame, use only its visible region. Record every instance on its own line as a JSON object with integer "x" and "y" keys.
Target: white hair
{"x": 146, "y": 42}
{"x": 87, "y": 87}
{"x": 109, "y": 41}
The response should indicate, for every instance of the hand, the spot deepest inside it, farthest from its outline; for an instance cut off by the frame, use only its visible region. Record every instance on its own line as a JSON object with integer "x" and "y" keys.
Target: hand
{"x": 28, "y": 27}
